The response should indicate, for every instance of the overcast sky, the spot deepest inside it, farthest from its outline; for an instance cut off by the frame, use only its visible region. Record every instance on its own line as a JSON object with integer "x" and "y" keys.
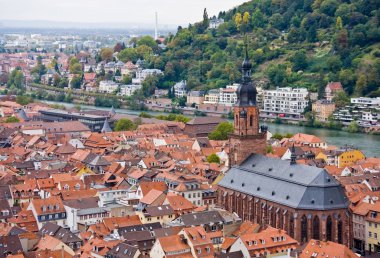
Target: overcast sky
{"x": 171, "y": 12}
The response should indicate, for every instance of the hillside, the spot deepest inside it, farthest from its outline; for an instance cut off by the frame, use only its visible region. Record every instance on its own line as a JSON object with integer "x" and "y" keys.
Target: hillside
{"x": 297, "y": 43}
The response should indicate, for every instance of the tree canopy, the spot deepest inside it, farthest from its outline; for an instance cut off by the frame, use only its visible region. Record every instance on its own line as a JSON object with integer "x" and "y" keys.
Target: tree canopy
{"x": 221, "y": 131}
{"x": 124, "y": 124}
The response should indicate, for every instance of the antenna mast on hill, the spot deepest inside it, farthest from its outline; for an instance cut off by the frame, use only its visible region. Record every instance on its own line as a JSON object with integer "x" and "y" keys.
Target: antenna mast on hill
{"x": 156, "y": 28}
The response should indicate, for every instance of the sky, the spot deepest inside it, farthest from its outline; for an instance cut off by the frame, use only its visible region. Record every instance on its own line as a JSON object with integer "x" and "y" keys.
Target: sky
{"x": 170, "y": 12}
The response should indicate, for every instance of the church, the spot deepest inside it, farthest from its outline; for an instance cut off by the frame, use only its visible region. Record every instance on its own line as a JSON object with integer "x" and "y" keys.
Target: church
{"x": 303, "y": 200}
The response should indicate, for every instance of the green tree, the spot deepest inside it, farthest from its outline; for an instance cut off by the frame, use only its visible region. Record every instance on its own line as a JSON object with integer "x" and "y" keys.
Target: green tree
{"x": 258, "y": 19}
{"x": 339, "y": 23}
{"x": 143, "y": 51}
{"x": 124, "y": 124}
{"x": 12, "y": 119}
{"x": 329, "y": 7}
{"x": 334, "y": 63}
{"x": 353, "y": 127}
{"x": 127, "y": 79}
{"x": 341, "y": 99}
{"x": 182, "y": 118}
{"x": 277, "y": 74}
{"x": 76, "y": 68}
{"x": 221, "y": 131}
{"x": 16, "y": 79}
{"x": 361, "y": 85}
{"x": 147, "y": 41}
{"x": 206, "y": 21}
{"x": 106, "y": 54}
{"x": 238, "y": 20}
{"x": 299, "y": 60}
{"x": 277, "y": 21}
{"x": 128, "y": 54}
{"x": 23, "y": 100}
{"x": 145, "y": 115}
{"x": 213, "y": 158}
{"x": 76, "y": 82}
{"x": 149, "y": 85}
{"x": 245, "y": 21}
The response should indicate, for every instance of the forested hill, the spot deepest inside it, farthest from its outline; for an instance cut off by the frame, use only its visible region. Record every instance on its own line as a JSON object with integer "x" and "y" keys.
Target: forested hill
{"x": 297, "y": 43}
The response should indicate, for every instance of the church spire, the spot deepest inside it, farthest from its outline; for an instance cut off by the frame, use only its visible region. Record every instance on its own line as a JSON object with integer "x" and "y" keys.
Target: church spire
{"x": 247, "y": 137}
{"x": 106, "y": 127}
{"x": 246, "y": 93}
{"x": 246, "y": 66}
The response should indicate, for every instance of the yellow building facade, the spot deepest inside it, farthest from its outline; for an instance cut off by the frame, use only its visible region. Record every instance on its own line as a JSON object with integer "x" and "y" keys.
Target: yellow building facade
{"x": 341, "y": 158}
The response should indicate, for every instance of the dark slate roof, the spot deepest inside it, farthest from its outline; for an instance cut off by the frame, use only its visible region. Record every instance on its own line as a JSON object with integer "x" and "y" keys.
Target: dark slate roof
{"x": 99, "y": 161}
{"x": 201, "y": 218}
{"x": 23, "y": 115}
{"x": 123, "y": 250}
{"x": 49, "y": 229}
{"x": 161, "y": 210}
{"x": 297, "y": 186}
{"x": 137, "y": 228}
{"x": 15, "y": 231}
{"x": 106, "y": 127}
{"x": 86, "y": 203}
{"x": 112, "y": 112}
{"x": 10, "y": 245}
{"x": 65, "y": 235}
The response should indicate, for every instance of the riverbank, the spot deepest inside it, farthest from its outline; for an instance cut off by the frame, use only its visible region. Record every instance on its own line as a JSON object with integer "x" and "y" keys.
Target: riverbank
{"x": 369, "y": 144}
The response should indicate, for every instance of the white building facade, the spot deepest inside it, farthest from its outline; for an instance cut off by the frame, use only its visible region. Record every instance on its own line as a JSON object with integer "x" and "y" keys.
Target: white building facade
{"x": 285, "y": 101}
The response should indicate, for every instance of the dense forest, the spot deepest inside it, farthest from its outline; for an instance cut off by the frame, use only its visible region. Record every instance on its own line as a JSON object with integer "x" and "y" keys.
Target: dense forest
{"x": 296, "y": 43}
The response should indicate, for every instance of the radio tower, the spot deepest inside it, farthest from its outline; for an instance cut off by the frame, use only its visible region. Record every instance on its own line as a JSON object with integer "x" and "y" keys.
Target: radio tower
{"x": 156, "y": 28}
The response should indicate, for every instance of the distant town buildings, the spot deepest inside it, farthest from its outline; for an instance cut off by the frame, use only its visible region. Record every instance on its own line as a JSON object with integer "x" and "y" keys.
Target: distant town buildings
{"x": 224, "y": 96}
{"x": 323, "y": 110}
{"x": 365, "y": 111}
{"x": 195, "y": 97}
{"x": 331, "y": 89}
{"x": 108, "y": 86}
{"x": 128, "y": 90}
{"x": 285, "y": 101}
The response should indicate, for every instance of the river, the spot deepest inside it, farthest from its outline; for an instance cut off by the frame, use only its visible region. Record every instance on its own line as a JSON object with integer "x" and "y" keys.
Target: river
{"x": 369, "y": 144}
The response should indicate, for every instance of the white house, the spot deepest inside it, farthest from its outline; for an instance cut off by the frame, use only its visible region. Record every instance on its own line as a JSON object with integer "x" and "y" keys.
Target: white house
{"x": 180, "y": 89}
{"x": 108, "y": 86}
{"x": 128, "y": 90}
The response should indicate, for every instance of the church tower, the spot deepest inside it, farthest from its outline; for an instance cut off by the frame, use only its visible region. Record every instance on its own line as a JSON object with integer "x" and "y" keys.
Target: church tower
{"x": 248, "y": 137}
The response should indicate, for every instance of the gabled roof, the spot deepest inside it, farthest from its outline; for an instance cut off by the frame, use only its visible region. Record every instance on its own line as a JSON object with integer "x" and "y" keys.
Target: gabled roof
{"x": 319, "y": 249}
{"x": 297, "y": 186}
{"x": 201, "y": 218}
